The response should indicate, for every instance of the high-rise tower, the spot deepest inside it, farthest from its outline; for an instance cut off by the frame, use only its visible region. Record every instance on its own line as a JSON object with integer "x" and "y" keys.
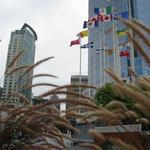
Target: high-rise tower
{"x": 105, "y": 38}
{"x": 20, "y": 40}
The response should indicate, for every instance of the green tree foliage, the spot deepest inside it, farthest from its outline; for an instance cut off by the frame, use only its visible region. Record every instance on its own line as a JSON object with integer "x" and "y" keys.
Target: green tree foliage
{"x": 106, "y": 94}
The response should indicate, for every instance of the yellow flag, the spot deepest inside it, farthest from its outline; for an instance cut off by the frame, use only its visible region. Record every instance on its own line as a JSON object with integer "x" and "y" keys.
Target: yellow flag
{"x": 109, "y": 52}
{"x": 83, "y": 34}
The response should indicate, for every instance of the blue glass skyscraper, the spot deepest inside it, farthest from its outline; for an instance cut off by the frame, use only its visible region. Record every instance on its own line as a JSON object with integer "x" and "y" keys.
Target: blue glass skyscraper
{"x": 106, "y": 39}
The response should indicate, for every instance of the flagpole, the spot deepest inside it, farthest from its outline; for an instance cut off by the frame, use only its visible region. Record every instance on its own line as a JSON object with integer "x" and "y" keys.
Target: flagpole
{"x": 80, "y": 65}
{"x": 131, "y": 48}
{"x": 114, "y": 45}
{"x": 104, "y": 53}
{"x": 118, "y": 57}
{"x": 101, "y": 60}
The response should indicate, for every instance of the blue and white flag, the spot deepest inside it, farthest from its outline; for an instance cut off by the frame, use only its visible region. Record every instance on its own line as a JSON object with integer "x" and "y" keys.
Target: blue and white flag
{"x": 88, "y": 45}
{"x": 124, "y": 15}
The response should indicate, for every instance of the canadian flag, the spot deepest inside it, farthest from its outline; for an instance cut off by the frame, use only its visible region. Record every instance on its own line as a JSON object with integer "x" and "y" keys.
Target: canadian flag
{"x": 105, "y": 18}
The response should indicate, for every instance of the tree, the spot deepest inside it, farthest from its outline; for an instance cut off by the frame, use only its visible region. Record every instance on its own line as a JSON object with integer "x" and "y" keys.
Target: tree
{"x": 106, "y": 94}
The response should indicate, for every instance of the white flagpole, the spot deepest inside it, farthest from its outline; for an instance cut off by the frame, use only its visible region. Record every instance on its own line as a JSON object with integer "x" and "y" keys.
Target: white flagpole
{"x": 115, "y": 46}
{"x": 101, "y": 58}
{"x": 118, "y": 57}
{"x": 114, "y": 39}
{"x": 104, "y": 53}
{"x": 132, "y": 48}
{"x": 80, "y": 65}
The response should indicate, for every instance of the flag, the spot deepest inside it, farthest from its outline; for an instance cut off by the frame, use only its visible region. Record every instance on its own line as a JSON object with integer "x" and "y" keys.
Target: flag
{"x": 75, "y": 42}
{"x": 102, "y": 49}
{"x": 121, "y": 46}
{"x": 93, "y": 18}
{"x": 124, "y": 15}
{"x": 122, "y": 32}
{"x": 127, "y": 43}
{"x": 88, "y": 45}
{"x": 96, "y": 11}
{"x": 90, "y": 24}
{"x": 84, "y": 33}
{"x": 97, "y": 51}
{"x": 124, "y": 43}
{"x": 105, "y": 18}
{"x": 109, "y": 52}
{"x": 124, "y": 53}
{"x": 105, "y": 11}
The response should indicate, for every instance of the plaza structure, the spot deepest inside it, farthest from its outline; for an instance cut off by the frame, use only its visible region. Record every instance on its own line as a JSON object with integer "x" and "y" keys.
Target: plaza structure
{"x": 22, "y": 40}
{"x": 106, "y": 38}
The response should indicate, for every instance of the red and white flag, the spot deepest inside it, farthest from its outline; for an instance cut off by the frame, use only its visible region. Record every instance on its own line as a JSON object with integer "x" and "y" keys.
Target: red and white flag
{"x": 105, "y": 18}
{"x": 75, "y": 42}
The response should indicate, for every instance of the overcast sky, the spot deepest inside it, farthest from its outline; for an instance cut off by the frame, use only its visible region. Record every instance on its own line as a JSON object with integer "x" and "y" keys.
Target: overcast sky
{"x": 56, "y": 23}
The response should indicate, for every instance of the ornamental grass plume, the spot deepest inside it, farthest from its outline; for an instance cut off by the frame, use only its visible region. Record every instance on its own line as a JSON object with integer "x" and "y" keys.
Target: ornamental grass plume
{"x": 41, "y": 126}
{"x": 90, "y": 146}
{"x": 15, "y": 59}
{"x": 121, "y": 144}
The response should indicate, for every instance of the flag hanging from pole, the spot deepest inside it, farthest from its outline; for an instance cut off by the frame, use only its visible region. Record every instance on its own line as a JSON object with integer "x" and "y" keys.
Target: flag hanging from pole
{"x": 106, "y": 10}
{"x": 124, "y": 15}
{"x": 88, "y": 45}
{"x": 75, "y": 42}
{"x": 122, "y": 32}
{"x": 93, "y": 18}
{"x": 105, "y": 18}
{"x": 124, "y": 53}
{"x": 127, "y": 43}
{"x": 97, "y": 51}
{"x": 103, "y": 11}
{"x": 102, "y": 49}
{"x": 96, "y": 11}
{"x": 90, "y": 24}
{"x": 109, "y": 52}
{"x": 83, "y": 34}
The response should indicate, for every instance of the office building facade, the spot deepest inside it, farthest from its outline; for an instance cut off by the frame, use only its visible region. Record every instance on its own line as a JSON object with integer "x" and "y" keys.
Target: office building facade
{"x": 20, "y": 40}
{"x": 105, "y": 39}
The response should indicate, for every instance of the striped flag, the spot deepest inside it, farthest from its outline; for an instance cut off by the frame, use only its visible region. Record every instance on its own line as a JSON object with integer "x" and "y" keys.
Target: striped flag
{"x": 122, "y": 32}
{"x": 106, "y": 11}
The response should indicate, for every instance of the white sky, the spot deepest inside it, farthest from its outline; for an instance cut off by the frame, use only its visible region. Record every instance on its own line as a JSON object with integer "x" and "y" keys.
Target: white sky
{"x": 56, "y": 23}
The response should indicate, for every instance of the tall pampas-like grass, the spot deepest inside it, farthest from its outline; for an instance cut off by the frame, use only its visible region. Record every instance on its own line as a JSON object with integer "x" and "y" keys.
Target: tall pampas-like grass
{"x": 15, "y": 59}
